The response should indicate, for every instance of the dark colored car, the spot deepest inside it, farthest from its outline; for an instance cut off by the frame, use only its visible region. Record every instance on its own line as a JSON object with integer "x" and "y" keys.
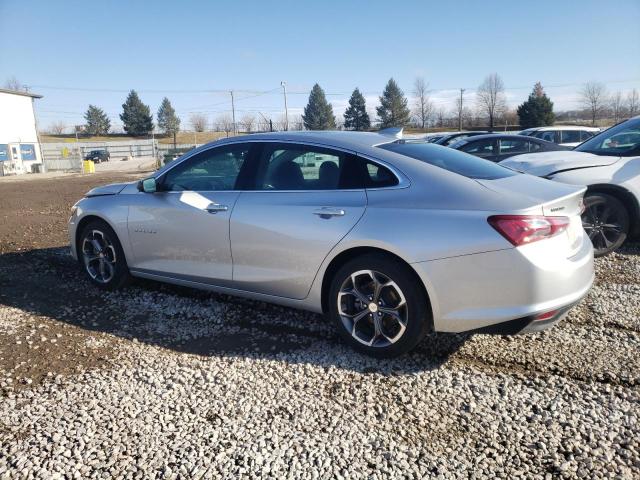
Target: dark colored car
{"x": 497, "y": 147}
{"x": 450, "y": 138}
{"x": 98, "y": 156}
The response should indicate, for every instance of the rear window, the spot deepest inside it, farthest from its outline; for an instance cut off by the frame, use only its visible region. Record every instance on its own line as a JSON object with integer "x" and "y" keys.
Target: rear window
{"x": 451, "y": 160}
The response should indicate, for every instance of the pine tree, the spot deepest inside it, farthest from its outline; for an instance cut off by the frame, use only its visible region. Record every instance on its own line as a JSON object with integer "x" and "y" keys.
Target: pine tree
{"x": 136, "y": 116}
{"x": 97, "y": 121}
{"x": 356, "y": 116}
{"x": 318, "y": 114}
{"x": 537, "y": 111}
{"x": 393, "y": 110}
{"x": 168, "y": 121}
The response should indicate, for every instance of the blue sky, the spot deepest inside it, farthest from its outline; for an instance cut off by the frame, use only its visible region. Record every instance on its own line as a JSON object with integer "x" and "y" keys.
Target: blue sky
{"x": 78, "y": 52}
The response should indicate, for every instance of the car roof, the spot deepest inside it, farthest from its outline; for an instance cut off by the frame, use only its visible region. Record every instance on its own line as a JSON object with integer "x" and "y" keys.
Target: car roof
{"x": 501, "y": 135}
{"x": 567, "y": 127}
{"x": 341, "y": 139}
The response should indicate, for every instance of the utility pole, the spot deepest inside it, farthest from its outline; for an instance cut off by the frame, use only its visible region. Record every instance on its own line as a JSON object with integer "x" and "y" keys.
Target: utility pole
{"x": 286, "y": 111}
{"x": 460, "y": 111}
{"x": 233, "y": 112}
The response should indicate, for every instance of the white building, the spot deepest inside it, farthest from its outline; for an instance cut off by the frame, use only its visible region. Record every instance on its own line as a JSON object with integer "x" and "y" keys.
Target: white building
{"x": 19, "y": 146}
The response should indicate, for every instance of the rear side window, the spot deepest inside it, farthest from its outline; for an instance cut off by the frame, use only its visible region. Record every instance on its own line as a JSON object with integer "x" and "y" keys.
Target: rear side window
{"x": 288, "y": 166}
{"x": 451, "y": 160}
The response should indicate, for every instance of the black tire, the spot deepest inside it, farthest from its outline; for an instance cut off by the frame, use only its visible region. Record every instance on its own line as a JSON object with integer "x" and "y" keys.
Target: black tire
{"x": 112, "y": 253}
{"x": 606, "y": 222}
{"x": 416, "y": 315}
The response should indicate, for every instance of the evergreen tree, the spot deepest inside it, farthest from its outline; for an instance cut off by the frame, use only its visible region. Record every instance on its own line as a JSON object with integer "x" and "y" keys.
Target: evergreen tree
{"x": 97, "y": 121}
{"x": 136, "y": 116}
{"x": 168, "y": 121}
{"x": 318, "y": 114}
{"x": 356, "y": 116}
{"x": 393, "y": 110}
{"x": 537, "y": 111}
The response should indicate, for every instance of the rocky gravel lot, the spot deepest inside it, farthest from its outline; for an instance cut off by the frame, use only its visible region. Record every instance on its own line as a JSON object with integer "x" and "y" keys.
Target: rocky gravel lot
{"x": 164, "y": 382}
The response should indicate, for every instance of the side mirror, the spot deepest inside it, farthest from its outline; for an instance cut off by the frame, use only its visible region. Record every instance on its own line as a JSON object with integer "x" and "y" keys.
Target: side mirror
{"x": 148, "y": 185}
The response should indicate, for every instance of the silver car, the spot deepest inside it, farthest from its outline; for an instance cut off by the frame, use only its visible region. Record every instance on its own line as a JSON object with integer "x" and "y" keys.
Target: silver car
{"x": 391, "y": 239}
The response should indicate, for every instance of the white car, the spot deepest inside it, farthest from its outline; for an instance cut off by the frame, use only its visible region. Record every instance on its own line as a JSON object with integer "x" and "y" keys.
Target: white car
{"x": 609, "y": 165}
{"x": 565, "y": 135}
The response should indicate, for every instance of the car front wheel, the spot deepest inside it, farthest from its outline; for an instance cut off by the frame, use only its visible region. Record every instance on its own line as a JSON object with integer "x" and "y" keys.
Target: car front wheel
{"x": 102, "y": 256}
{"x": 379, "y": 306}
{"x": 606, "y": 222}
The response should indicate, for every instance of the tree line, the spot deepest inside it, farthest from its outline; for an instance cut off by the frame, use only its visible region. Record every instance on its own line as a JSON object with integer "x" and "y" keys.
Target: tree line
{"x": 394, "y": 110}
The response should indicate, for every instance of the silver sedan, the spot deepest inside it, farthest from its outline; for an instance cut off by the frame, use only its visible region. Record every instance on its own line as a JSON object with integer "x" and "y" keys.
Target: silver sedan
{"x": 391, "y": 239}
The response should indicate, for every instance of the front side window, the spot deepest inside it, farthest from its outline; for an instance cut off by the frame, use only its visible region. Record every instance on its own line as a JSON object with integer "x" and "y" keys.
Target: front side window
{"x": 585, "y": 135}
{"x": 216, "y": 169}
{"x": 570, "y": 136}
{"x": 623, "y": 139}
{"x": 480, "y": 148}
{"x": 549, "y": 136}
{"x": 451, "y": 160}
{"x": 304, "y": 167}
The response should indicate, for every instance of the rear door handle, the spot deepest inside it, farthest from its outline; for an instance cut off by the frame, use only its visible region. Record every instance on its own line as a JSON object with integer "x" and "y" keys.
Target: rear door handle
{"x": 326, "y": 212}
{"x": 215, "y": 208}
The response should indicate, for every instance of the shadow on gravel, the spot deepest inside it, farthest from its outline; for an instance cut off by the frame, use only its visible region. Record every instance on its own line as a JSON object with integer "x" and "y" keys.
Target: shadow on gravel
{"x": 48, "y": 283}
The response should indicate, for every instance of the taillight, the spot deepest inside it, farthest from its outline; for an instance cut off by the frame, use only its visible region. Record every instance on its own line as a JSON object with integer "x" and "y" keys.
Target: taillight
{"x": 523, "y": 229}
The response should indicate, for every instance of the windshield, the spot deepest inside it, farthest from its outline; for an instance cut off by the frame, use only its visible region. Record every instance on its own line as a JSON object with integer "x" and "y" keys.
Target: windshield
{"x": 451, "y": 160}
{"x": 622, "y": 139}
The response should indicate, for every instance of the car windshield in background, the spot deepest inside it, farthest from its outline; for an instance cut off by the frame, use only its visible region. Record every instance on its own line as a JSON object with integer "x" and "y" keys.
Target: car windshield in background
{"x": 623, "y": 139}
{"x": 451, "y": 160}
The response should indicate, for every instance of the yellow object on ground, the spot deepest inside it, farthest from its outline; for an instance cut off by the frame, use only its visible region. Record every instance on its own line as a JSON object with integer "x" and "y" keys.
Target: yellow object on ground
{"x": 88, "y": 166}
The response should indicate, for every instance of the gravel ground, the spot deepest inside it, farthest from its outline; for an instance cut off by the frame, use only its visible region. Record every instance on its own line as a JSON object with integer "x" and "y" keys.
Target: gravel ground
{"x": 163, "y": 382}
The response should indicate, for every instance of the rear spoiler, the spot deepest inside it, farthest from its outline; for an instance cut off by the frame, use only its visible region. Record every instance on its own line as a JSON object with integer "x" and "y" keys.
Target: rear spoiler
{"x": 395, "y": 132}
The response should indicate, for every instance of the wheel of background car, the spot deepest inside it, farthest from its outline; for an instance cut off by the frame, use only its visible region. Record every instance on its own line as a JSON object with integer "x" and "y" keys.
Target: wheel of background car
{"x": 378, "y": 306}
{"x": 102, "y": 257}
{"x": 606, "y": 221}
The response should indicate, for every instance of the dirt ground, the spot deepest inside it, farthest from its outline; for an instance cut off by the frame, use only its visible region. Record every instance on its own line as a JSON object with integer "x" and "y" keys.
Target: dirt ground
{"x": 33, "y": 266}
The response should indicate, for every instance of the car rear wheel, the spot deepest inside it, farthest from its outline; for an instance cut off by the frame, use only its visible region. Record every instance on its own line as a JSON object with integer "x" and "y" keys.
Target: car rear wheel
{"x": 606, "y": 221}
{"x": 379, "y": 306}
{"x": 102, "y": 256}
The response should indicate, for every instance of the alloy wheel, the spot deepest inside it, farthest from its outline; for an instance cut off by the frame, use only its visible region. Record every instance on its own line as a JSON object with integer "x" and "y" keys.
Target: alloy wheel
{"x": 99, "y": 256}
{"x": 604, "y": 225}
{"x": 372, "y": 308}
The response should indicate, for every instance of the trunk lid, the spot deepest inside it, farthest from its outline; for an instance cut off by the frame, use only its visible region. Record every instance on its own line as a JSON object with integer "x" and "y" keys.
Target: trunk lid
{"x": 548, "y": 198}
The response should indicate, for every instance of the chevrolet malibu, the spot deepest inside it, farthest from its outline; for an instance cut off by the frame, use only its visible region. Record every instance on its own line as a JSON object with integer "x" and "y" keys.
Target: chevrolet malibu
{"x": 390, "y": 239}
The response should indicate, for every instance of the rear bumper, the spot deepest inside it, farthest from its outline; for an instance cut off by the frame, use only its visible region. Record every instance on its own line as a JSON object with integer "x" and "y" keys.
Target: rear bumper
{"x": 528, "y": 324}
{"x": 505, "y": 290}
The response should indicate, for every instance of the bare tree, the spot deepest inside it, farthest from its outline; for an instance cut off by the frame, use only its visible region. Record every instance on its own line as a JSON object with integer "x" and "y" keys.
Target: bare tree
{"x": 198, "y": 122}
{"x": 594, "y": 97}
{"x": 12, "y": 83}
{"x": 296, "y": 123}
{"x": 461, "y": 114}
{"x": 57, "y": 128}
{"x": 440, "y": 117}
{"x": 248, "y": 121}
{"x": 423, "y": 107}
{"x": 491, "y": 97}
{"x": 224, "y": 123}
{"x": 617, "y": 106}
{"x": 633, "y": 103}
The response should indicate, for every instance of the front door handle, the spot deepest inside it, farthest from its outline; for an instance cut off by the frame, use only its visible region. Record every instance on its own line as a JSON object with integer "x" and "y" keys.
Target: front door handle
{"x": 215, "y": 208}
{"x": 327, "y": 212}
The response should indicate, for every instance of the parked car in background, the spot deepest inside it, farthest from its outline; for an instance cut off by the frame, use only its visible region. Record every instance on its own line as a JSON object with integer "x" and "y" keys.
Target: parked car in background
{"x": 435, "y": 136}
{"x": 311, "y": 220}
{"x": 609, "y": 165}
{"x": 450, "y": 138}
{"x": 568, "y": 136}
{"x": 98, "y": 156}
{"x": 497, "y": 147}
